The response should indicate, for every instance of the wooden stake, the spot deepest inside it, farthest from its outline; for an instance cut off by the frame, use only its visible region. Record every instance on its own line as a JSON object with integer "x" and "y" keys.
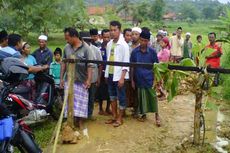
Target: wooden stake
{"x": 198, "y": 110}
{"x": 71, "y": 74}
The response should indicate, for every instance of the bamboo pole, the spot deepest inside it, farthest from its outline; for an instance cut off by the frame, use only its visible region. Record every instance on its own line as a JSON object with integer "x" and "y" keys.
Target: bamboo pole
{"x": 58, "y": 126}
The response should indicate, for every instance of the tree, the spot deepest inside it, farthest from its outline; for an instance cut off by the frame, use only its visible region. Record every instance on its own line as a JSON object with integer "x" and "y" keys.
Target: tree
{"x": 209, "y": 13}
{"x": 42, "y": 16}
{"x": 125, "y": 7}
{"x": 189, "y": 11}
{"x": 141, "y": 12}
{"x": 157, "y": 10}
{"x": 29, "y": 16}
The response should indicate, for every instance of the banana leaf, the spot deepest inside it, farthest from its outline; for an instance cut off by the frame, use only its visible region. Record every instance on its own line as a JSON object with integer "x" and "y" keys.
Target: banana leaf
{"x": 204, "y": 54}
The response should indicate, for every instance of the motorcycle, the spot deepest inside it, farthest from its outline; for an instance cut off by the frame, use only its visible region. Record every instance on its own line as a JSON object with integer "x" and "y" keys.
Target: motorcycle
{"x": 14, "y": 132}
{"x": 47, "y": 102}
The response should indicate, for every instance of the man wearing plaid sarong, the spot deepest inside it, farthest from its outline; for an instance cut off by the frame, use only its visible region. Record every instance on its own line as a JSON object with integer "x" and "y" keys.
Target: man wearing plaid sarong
{"x": 83, "y": 73}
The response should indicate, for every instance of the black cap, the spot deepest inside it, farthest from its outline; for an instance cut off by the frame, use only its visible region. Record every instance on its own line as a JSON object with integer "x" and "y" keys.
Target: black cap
{"x": 145, "y": 34}
{"x": 85, "y": 35}
{"x": 93, "y": 32}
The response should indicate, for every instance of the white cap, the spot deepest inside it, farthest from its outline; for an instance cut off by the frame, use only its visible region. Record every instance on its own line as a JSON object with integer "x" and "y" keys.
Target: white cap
{"x": 165, "y": 33}
{"x": 43, "y": 37}
{"x": 137, "y": 29}
{"x": 188, "y": 34}
{"x": 99, "y": 32}
{"x": 160, "y": 31}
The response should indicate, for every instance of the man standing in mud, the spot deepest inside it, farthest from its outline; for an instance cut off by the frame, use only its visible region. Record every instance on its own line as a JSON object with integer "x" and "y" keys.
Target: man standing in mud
{"x": 102, "y": 92}
{"x": 83, "y": 75}
{"x": 143, "y": 78}
{"x": 117, "y": 51}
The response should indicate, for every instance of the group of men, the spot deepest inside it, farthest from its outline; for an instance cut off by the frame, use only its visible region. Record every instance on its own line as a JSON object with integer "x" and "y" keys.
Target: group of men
{"x": 120, "y": 86}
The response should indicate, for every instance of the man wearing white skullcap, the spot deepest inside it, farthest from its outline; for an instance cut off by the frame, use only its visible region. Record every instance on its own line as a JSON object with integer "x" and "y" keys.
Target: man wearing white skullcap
{"x": 187, "y": 47}
{"x": 136, "y": 31}
{"x": 43, "y": 55}
{"x": 43, "y": 37}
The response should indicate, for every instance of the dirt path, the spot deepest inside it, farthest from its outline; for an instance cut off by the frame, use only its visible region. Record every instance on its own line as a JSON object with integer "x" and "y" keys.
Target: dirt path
{"x": 138, "y": 137}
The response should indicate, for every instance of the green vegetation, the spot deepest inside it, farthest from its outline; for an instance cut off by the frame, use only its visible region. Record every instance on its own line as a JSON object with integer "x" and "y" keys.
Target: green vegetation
{"x": 43, "y": 132}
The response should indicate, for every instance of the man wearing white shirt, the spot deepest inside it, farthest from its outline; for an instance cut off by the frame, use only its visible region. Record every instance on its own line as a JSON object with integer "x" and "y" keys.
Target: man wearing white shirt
{"x": 176, "y": 46}
{"x": 117, "y": 50}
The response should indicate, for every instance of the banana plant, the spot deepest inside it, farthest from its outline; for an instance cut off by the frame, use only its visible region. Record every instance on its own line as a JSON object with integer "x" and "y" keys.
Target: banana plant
{"x": 195, "y": 82}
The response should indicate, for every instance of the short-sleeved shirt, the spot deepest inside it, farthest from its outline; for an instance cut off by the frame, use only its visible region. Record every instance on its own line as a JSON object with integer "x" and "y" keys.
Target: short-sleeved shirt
{"x": 55, "y": 71}
{"x": 144, "y": 77}
{"x": 84, "y": 53}
{"x": 30, "y": 61}
{"x": 97, "y": 56}
{"x": 43, "y": 57}
{"x": 214, "y": 62}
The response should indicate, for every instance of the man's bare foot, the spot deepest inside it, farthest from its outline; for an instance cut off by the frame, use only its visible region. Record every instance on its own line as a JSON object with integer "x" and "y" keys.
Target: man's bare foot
{"x": 110, "y": 121}
{"x": 117, "y": 123}
{"x": 109, "y": 111}
{"x": 158, "y": 122}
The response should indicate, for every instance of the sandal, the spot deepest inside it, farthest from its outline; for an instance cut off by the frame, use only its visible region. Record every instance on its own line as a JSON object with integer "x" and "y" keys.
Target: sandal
{"x": 117, "y": 124}
{"x": 110, "y": 121}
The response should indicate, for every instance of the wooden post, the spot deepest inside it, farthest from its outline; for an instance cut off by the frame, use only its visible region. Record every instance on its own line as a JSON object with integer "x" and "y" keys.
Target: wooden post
{"x": 68, "y": 135}
{"x": 71, "y": 74}
{"x": 198, "y": 110}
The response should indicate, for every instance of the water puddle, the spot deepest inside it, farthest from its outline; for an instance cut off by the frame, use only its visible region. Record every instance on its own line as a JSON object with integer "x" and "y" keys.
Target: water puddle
{"x": 217, "y": 123}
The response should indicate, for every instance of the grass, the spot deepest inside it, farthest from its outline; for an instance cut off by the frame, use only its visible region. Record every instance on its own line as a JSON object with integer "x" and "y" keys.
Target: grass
{"x": 43, "y": 132}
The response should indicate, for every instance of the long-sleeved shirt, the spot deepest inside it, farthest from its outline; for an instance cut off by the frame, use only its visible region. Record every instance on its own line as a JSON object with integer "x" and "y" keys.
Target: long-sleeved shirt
{"x": 43, "y": 57}
{"x": 121, "y": 54}
{"x": 144, "y": 77}
{"x": 176, "y": 46}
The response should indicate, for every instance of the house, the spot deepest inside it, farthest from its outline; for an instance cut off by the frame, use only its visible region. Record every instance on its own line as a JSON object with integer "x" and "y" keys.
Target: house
{"x": 170, "y": 16}
{"x": 94, "y": 10}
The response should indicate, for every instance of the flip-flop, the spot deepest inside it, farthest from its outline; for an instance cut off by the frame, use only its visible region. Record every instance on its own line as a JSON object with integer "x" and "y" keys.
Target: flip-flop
{"x": 110, "y": 121}
{"x": 117, "y": 124}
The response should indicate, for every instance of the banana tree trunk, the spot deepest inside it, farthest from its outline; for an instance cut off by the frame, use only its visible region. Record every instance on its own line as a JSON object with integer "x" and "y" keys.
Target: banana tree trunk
{"x": 198, "y": 110}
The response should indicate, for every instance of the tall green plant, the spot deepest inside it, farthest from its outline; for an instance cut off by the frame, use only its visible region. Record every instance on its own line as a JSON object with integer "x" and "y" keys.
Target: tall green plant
{"x": 224, "y": 29}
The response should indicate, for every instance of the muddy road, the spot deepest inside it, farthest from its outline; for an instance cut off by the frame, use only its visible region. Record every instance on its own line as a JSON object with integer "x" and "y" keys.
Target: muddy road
{"x": 139, "y": 137}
